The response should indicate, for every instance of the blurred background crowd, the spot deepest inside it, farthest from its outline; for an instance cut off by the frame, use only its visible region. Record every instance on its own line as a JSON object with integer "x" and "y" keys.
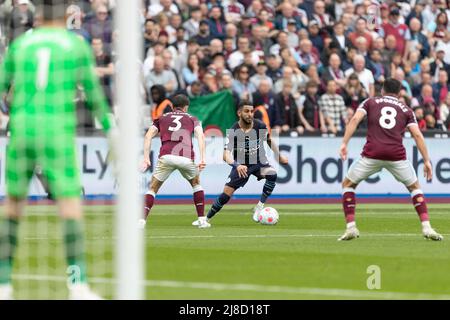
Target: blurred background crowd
{"x": 309, "y": 64}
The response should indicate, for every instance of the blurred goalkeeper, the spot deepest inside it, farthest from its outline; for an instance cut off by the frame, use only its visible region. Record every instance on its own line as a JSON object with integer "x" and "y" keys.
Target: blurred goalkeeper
{"x": 45, "y": 67}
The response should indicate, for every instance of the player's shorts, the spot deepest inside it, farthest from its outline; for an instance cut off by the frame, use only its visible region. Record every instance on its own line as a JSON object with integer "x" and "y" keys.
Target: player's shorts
{"x": 169, "y": 163}
{"x": 258, "y": 170}
{"x": 365, "y": 167}
{"x": 57, "y": 163}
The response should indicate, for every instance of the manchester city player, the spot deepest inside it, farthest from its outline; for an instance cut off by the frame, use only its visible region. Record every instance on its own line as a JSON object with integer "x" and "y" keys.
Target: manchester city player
{"x": 245, "y": 153}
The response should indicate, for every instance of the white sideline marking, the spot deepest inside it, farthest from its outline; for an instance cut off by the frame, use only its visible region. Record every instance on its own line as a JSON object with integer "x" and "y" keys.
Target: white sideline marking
{"x": 368, "y": 235}
{"x": 333, "y": 292}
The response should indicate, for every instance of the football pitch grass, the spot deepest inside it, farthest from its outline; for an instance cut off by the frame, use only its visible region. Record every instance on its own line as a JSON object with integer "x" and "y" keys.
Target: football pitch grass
{"x": 299, "y": 258}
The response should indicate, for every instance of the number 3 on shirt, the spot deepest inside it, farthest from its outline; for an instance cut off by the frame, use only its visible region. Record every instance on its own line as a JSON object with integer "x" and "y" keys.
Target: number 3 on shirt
{"x": 43, "y": 56}
{"x": 387, "y": 119}
{"x": 176, "y": 122}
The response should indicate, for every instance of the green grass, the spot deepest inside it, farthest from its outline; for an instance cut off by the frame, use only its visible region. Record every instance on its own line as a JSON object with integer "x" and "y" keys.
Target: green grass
{"x": 237, "y": 259}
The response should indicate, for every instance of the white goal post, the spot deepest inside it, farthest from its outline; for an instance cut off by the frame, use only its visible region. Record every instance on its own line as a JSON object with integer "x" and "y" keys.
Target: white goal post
{"x": 129, "y": 247}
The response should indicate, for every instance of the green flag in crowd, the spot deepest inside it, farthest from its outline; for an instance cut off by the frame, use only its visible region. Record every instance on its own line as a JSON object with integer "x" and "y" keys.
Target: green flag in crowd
{"x": 215, "y": 110}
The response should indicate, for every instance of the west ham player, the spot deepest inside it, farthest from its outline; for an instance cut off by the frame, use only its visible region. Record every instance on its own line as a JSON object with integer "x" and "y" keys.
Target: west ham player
{"x": 388, "y": 119}
{"x": 176, "y": 153}
{"x": 245, "y": 153}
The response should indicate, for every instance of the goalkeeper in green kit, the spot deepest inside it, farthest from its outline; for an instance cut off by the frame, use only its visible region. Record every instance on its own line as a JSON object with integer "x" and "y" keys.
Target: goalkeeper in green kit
{"x": 45, "y": 67}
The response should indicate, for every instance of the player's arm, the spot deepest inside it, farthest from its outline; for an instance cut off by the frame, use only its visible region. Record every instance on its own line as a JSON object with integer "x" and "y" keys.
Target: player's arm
{"x": 276, "y": 151}
{"x": 420, "y": 142}
{"x": 151, "y": 133}
{"x": 96, "y": 100}
{"x": 229, "y": 158}
{"x": 198, "y": 131}
{"x": 350, "y": 130}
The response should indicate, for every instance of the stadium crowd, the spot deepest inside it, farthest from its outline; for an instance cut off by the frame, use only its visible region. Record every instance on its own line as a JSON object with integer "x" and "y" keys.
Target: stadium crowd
{"x": 309, "y": 63}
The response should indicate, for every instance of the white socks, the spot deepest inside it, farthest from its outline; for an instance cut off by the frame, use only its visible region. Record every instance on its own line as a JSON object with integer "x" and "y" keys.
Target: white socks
{"x": 351, "y": 225}
{"x": 426, "y": 225}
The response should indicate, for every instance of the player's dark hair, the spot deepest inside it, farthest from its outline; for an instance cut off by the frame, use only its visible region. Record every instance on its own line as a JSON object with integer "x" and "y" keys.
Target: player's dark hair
{"x": 53, "y": 9}
{"x": 180, "y": 101}
{"x": 244, "y": 103}
{"x": 392, "y": 85}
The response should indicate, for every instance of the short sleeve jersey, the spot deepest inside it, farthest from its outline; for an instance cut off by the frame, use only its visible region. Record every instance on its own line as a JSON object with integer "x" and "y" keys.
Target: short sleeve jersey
{"x": 176, "y": 129}
{"x": 387, "y": 119}
{"x": 248, "y": 147}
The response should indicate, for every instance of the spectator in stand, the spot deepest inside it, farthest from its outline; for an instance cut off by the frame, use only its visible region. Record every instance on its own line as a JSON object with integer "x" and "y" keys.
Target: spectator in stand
{"x": 361, "y": 31}
{"x": 287, "y": 13}
{"x": 191, "y": 71}
{"x": 237, "y": 57}
{"x": 158, "y": 75}
{"x": 437, "y": 29}
{"x": 217, "y": 23}
{"x": 226, "y": 83}
{"x": 364, "y": 74}
{"x": 193, "y": 90}
{"x": 425, "y": 79}
{"x": 166, "y": 7}
{"x": 444, "y": 109}
{"x": 378, "y": 68}
{"x": 101, "y": 27}
{"x": 245, "y": 26}
{"x": 439, "y": 64}
{"x": 157, "y": 97}
{"x": 314, "y": 35}
{"x": 420, "y": 117}
{"x": 334, "y": 72}
{"x": 416, "y": 39}
{"x": 291, "y": 32}
{"x": 397, "y": 29}
{"x": 288, "y": 76}
{"x": 261, "y": 40}
{"x": 22, "y": 19}
{"x": 104, "y": 67}
{"x": 441, "y": 88}
{"x": 311, "y": 116}
{"x": 241, "y": 84}
{"x": 354, "y": 93}
{"x": 320, "y": 15}
{"x": 340, "y": 38}
{"x": 444, "y": 45}
{"x": 203, "y": 38}
{"x": 307, "y": 57}
{"x": 288, "y": 117}
{"x": 264, "y": 19}
{"x": 151, "y": 34}
{"x": 426, "y": 96}
{"x": 282, "y": 43}
{"x": 231, "y": 32}
{"x": 274, "y": 70}
{"x": 264, "y": 96}
{"x": 171, "y": 64}
{"x": 233, "y": 11}
{"x": 192, "y": 25}
{"x": 333, "y": 107}
{"x": 210, "y": 82}
{"x": 430, "y": 120}
{"x": 261, "y": 75}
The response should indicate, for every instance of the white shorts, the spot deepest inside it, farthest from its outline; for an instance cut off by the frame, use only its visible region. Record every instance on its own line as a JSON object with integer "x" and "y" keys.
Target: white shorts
{"x": 169, "y": 163}
{"x": 365, "y": 167}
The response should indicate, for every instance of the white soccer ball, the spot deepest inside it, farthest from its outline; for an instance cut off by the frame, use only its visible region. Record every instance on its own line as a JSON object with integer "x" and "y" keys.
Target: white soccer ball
{"x": 268, "y": 216}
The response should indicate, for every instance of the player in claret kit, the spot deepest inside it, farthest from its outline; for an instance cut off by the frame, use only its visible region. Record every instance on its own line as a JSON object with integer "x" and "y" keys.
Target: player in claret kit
{"x": 245, "y": 153}
{"x": 176, "y": 153}
{"x": 388, "y": 119}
